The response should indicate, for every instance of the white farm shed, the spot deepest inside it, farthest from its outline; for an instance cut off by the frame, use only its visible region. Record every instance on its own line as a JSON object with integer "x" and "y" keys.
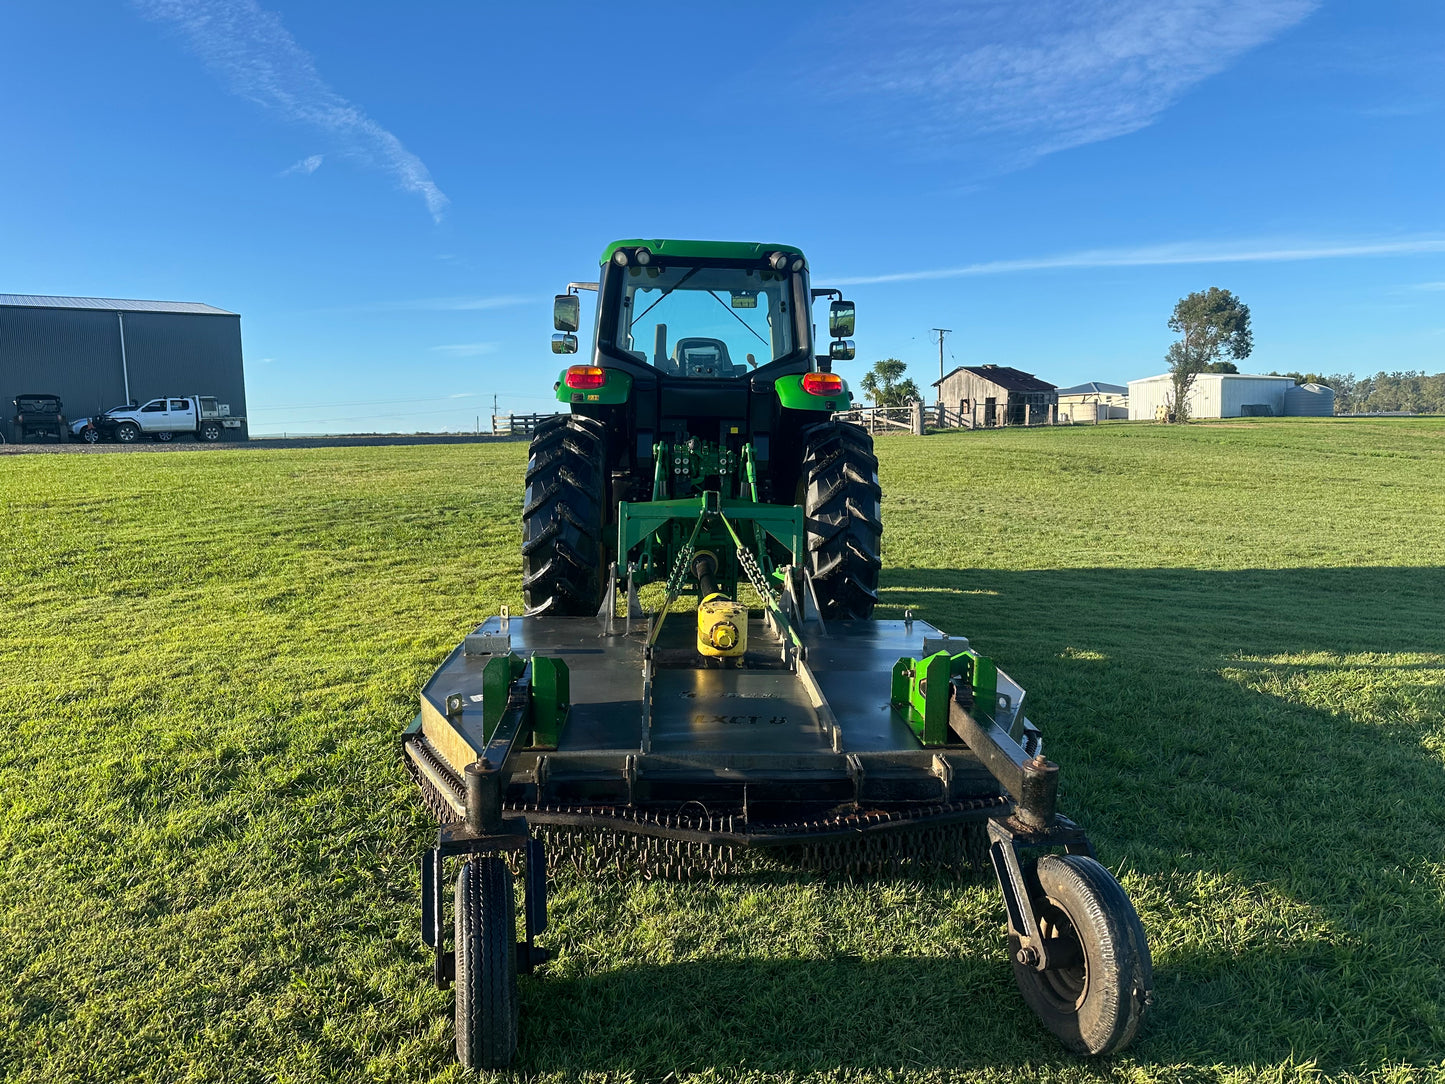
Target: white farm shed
{"x": 1214, "y": 395}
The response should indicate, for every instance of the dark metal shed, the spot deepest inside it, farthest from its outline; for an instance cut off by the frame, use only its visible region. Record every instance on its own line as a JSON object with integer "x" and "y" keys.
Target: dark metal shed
{"x": 98, "y": 352}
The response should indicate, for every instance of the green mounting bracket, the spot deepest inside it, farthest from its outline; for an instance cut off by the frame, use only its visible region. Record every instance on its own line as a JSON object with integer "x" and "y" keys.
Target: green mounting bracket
{"x": 551, "y": 697}
{"x": 637, "y": 522}
{"x": 921, "y": 691}
{"x": 981, "y": 675}
{"x": 497, "y": 678}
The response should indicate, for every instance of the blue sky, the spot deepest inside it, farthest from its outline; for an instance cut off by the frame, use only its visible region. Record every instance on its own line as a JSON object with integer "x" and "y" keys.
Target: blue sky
{"x": 390, "y": 194}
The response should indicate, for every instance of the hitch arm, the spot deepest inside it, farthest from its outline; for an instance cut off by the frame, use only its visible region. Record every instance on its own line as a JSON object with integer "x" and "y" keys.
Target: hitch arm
{"x": 1032, "y": 782}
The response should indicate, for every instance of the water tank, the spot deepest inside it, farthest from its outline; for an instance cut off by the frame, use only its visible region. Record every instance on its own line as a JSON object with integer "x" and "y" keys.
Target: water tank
{"x": 1309, "y": 401}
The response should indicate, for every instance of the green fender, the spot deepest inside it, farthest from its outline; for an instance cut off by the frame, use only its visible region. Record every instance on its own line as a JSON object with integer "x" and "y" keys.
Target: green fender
{"x": 791, "y": 395}
{"x": 617, "y": 389}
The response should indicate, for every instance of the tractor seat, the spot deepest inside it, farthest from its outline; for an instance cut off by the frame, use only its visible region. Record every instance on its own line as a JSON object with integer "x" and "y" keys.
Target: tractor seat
{"x": 704, "y": 358}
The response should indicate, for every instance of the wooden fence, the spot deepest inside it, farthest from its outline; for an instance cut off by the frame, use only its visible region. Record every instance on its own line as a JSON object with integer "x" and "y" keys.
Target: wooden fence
{"x": 917, "y": 418}
{"x": 517, "y": 425}
{"x": 908, "y": 418}
{"x": 914, "y": 418}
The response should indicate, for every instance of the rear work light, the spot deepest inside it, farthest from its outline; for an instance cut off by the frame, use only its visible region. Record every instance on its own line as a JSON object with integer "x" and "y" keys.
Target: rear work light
{"x": 822, "y": 383}
{"x": 583, "y": 377}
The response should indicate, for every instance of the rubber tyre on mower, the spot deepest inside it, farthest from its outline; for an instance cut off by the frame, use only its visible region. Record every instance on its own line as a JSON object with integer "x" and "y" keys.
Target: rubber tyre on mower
{"x": 1095, "y": 999}
{"x": 486, "y": 980}
{"x": 564, "y": 551}
{"x": 842, "y": 508}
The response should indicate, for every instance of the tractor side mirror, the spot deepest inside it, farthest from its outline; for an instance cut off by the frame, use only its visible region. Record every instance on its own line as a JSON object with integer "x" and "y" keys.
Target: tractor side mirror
{"x": 567, "y": 312}
{"x": 840, "y": 319}
{"x": 565, "y": 343}
{"x": 841, "y": 350}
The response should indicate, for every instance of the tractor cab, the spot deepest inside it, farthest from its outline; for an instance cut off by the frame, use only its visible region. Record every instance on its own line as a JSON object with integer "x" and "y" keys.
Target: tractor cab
{"x": 707, "y": 345}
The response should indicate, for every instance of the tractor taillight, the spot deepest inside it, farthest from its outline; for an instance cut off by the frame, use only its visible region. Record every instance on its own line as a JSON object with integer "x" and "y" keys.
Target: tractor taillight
{"x": 583, "y": 377}
{"x": 822, "y": 383}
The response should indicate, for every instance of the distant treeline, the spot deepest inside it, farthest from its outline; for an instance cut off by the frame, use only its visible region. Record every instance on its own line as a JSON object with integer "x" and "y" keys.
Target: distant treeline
{"x": 1383, "y": 391}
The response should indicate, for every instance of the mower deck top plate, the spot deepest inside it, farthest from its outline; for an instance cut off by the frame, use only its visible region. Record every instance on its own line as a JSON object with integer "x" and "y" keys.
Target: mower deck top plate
{"x": 699, "y": 705}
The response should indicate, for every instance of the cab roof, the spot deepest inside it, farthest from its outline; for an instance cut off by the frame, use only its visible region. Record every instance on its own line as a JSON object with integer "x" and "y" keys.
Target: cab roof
{"x": 703, "y": 250}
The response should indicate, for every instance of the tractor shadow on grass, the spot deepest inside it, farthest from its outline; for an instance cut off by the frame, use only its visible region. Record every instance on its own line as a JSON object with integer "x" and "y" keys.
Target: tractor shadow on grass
{"x": 1262, "y": 749}
{"x": 1257, "y": 752}
{"x": 790, "y": 1015}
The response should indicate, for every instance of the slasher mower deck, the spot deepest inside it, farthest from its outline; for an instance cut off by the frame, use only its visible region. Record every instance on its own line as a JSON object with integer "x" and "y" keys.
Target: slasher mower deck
{"x": 695, "y": 742}
{"x": 749, "y": 756}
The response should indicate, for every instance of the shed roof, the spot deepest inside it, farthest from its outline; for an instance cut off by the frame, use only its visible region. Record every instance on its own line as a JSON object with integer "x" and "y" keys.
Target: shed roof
{"x": 1095, "y": 387}
{"x": 1004, "y": 376}
{"x": 108, "y": 304}
{"x": 1215, "y": 376}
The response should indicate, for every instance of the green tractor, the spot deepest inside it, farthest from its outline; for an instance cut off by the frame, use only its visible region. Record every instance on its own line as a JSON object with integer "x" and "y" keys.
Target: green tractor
{"x": 703, "y": 378}
{"x": 783, "y": 725}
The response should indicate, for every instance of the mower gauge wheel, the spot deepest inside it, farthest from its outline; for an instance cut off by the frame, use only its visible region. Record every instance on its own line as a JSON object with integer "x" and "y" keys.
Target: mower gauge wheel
{"x": 1093, "y": 998}
{"x": 486, "y": 947}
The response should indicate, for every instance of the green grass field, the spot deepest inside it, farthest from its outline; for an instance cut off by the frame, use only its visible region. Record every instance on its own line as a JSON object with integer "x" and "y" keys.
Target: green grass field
{"x": 1233, "y": 636}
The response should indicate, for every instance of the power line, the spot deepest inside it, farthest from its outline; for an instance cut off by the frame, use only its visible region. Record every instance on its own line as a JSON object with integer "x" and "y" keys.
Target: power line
{"x": 942, "y": 331}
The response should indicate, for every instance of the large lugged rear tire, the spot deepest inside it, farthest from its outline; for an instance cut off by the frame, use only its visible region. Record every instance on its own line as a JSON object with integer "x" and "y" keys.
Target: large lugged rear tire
{"x": 1094, "y": 1001}
{"x": 563, "y": 516}
{"x": 486, "y": 944}
{"x": 843, "y": 509}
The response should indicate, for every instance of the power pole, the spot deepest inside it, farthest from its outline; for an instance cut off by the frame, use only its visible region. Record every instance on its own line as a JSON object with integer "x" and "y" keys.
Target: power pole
{"x": 942, "y": 331}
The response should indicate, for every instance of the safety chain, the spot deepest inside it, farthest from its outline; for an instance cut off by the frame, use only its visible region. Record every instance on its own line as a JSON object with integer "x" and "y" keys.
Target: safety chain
{"x": 753, "y": 570}
{"x": 674, "y": 581}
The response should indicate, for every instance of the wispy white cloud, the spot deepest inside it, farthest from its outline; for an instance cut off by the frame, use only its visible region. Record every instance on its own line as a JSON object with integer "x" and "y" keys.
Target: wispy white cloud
{"x": 250, "y": 50}
{"x": 438, "y": 304}
{"x": 465, "y": 350}
{"x": 1395, "y": 110}
{"x": 455, "y": 304}
{"x": 307, "y": 166}
{"x": 1013, "y": 82}
{"x": 1430, "y": 286}
{"x": 463, "y": 395}
{"x": 1167, "y": 255}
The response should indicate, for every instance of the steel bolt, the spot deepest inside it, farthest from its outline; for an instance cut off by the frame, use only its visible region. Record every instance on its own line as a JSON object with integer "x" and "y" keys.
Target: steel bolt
{"x": 1026, "y": 956}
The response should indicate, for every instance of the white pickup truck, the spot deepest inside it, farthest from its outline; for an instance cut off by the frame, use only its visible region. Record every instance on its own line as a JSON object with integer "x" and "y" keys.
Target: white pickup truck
{"x": 199, "y": 415}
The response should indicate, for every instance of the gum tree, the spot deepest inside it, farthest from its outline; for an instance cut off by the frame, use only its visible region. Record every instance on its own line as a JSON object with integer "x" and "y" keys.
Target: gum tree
{"x": 1210, "y": 323}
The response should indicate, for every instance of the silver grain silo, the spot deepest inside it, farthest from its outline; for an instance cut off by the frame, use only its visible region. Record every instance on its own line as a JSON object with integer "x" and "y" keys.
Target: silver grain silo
{"x": 1309, "y": 401}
